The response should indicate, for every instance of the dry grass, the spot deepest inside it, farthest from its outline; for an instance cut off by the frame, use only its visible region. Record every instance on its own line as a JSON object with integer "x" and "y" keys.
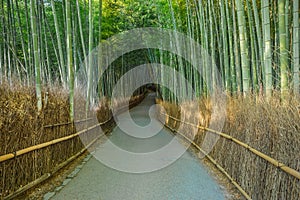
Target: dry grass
{"x": 21, "y": 127}
{"x": 269, "y": 127}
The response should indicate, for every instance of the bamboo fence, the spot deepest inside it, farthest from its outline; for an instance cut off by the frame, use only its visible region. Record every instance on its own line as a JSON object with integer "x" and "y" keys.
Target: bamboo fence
{"x": 52, "y": 142}
{"x": 68, "y": 123}
{"x": 273, "y": 161}
{"x": 33, "y": 148}
{"x": 46, "y": 144}
{"x": 48, "y": 175}
{"x": 288, "y": 170}
{"x": 221, "y": 169}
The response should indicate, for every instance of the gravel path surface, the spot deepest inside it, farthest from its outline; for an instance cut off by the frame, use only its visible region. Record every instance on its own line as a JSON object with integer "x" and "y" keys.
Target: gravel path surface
{"x": 185, "y": 179}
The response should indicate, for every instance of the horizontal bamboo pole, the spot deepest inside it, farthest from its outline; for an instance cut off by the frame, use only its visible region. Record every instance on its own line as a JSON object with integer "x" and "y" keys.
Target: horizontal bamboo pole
{"x": 52, "y": 142}
{"x": 221, "y": 169}
{"x": 274, "y": 162}
{"x": 88, "y": 119}
{"x": 67, "y": 123}
{"x": 60, "y": 166}
{"x": 48, "y": 175}
{"x": 43, "y": 145}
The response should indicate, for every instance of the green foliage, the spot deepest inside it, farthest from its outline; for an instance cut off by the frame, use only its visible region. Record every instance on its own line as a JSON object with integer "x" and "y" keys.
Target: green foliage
{"x": 254, "y": 44}
{"x": 120, "y": 16}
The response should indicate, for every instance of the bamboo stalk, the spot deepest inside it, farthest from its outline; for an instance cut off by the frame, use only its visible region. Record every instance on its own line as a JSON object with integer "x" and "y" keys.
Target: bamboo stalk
{"x": 274, "y": 162}
{"x": 62, "y": 67}
{"x": 231, "y": 49}
{"x": 70, "y": 58}
{"x": 267, "y": 51}
{"x": 258, "y": 31}
{"x": 243, "y": 46}
{"x": 296, "y": 47}
{"x": 37, "y": 63}
{"x": 90, "y": 58}
{"x": 283, "y": 57}
{"x": 225, "y": 26}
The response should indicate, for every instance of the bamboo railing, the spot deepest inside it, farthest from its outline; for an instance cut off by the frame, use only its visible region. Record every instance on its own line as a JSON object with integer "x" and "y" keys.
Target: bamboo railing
{"x": 55, "y": 141}
{"x": 47, "y": 175}
{"x": 68, "y": 123}
{"x": 271, "y": 160}
{"x": 59, "y": 140}
{"x": 84, "y": 120}
{"x": 221, "y": 169}
{"x": 46, "y": 144}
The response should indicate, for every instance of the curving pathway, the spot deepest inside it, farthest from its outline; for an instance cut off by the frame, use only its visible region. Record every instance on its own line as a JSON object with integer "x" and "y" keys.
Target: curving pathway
{"x": 185, "y": 179}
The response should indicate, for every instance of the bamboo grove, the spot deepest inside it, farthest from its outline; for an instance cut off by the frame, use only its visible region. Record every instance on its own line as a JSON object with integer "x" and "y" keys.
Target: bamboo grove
{"x": 254, "y": 43}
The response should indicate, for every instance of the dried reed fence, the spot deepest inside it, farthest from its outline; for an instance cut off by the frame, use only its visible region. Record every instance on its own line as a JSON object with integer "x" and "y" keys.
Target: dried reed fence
{"x": 266, "y": 164}
{"x": 34, "y": 146}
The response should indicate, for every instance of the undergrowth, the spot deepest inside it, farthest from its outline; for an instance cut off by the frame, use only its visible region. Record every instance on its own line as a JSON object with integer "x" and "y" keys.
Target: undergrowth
{"x": 21, "y": 126}
{"x": 268, "y": 126}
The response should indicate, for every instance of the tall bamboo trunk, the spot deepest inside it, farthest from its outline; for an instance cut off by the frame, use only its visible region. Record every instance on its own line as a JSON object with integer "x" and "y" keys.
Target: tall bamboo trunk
{"x": 22, "y": 40}
{"x": 224, "y": 25}
{"x": 100, "y": 91}
{"x": 80, "y": 30}
{"x": 47, "y": 61}
{"x": 75, "y": 35}
{"x": 210, "y": 72}
{"x": 253, "y": 49}
{"x": 29, "y": 39}
{"x": 267, "y": 48}
{"x": 243, "y": 46}
{"x": 237, "y": 52}
{"x": 70, "y": 58}
{"x": 2, "y": 46}
{"x": 60, "y": 49}
{"x": 90, "y": 65}
{"x": 36, "y": 55}
{"x": 232, "y": 74}
{"x": 296, "y": 43}
{"x": 283, "y": 51}
{"x": 258, "y": 28}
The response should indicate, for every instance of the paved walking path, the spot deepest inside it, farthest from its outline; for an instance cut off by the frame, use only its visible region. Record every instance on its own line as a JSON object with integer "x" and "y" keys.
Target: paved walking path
{"x": 185, "y": 179}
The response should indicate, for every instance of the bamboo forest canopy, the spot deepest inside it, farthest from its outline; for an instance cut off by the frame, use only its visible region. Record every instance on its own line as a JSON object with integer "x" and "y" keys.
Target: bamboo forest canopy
{"x": 254, "y": 43}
